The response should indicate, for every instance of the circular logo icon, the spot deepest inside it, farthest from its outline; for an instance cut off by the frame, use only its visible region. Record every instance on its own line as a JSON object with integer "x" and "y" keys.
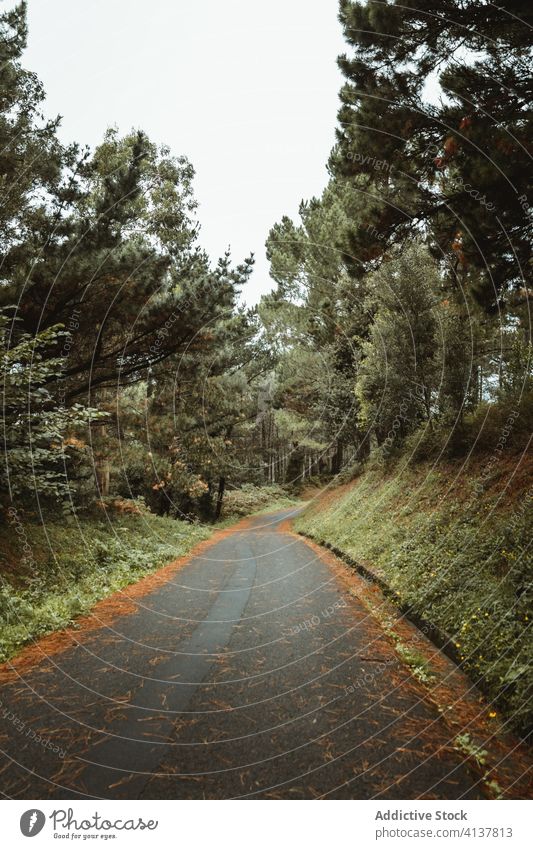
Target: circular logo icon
{"x": 32, "y": 822}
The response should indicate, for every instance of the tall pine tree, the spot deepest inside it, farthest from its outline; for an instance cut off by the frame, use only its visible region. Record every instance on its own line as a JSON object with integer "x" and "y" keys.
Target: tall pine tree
{"x": 457, "y": 163}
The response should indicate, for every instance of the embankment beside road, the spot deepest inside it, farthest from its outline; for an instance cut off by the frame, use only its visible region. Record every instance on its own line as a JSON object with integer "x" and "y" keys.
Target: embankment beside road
{"x": 453, "y": 542}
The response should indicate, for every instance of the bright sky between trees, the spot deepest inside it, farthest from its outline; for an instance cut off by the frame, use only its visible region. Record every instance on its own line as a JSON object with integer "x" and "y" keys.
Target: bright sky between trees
{"x": 247, "y": 90}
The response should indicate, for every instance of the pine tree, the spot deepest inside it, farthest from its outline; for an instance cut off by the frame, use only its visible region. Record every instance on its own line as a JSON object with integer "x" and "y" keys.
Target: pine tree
{"x": 398, "y": 376}
{"x": 459, "y": 166}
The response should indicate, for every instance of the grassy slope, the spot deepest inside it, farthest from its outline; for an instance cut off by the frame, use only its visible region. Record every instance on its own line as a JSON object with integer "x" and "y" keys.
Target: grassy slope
{"x": 451, "y": 541}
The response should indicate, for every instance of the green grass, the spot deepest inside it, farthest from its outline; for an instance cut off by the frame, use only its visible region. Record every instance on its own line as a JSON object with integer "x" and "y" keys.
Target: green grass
{"x": 51, "y": 575}
{"x": 417, "y": 662}
{"x": 251, "y": 499}
{"x": 457, "y": 552}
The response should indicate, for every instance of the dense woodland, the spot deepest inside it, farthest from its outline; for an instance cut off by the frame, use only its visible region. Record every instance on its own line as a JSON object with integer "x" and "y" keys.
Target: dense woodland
{"x": 400, "y": 319}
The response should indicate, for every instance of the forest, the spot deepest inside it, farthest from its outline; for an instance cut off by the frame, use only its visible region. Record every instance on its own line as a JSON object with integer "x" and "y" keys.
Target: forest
{"x": 138, "y": 391}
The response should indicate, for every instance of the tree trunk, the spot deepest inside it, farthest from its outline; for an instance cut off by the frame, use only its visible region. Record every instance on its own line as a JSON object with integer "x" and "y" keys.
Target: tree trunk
{"x": 220, "y": 497}
{"x": 103, "y": 471}
{"x": 336, "y": 462}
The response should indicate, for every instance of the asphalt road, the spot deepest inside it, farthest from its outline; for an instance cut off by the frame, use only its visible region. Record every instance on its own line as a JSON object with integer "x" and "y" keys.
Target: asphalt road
{"x": 252, "y": 673}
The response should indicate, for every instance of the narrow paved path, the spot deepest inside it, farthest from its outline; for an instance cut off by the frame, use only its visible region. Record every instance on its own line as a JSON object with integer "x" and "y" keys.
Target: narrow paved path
{"x": 252, "y": 673}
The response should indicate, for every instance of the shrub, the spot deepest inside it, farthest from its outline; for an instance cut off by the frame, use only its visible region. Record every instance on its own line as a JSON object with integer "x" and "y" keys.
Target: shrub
{"x": 251, "y": 499}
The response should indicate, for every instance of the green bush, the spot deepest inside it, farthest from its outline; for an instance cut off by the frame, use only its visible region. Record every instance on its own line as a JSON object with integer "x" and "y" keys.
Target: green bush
{"x": 506, "y": 423}
{"x": 252, "y": 499}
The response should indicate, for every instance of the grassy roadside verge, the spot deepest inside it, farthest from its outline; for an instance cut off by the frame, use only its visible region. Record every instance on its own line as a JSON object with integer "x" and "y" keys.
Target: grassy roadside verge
{"x": 454, "y": 544}
{"x": 52, "y": 574}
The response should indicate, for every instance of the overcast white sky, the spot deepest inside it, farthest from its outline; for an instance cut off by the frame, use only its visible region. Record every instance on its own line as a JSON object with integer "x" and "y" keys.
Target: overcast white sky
{"x": 247, "y": 90}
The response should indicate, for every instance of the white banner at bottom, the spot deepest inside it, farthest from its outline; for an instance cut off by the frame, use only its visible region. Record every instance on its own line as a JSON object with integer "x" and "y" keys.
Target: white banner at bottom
{"x": 261, "y": 825}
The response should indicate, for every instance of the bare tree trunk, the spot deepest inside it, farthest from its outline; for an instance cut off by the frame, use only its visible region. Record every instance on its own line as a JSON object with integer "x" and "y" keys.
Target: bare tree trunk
{"x": 220, "y": 497}
{"x": 336, "y": 462}
{"x": 103, "y": 472}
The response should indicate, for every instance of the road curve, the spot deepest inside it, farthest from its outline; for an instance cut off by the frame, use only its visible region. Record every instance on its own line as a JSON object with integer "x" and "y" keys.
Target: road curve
{"x": 252, "y": 673}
